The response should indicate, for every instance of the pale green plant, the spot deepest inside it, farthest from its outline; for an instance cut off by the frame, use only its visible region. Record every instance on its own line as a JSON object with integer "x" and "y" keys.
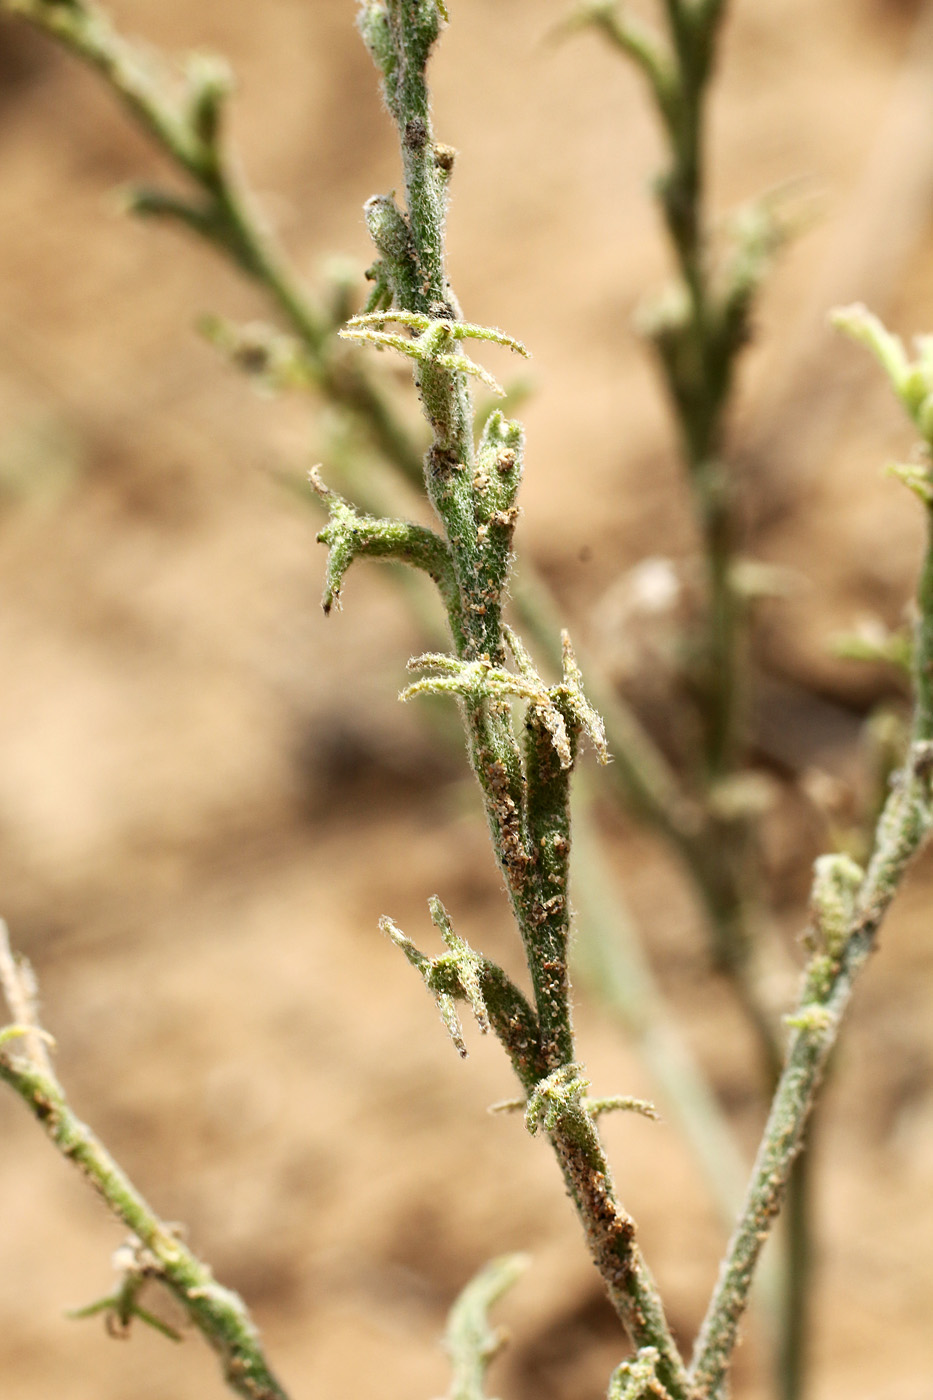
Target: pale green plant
{"x": 183, "y": 111}
{"x": 523, "y": 733}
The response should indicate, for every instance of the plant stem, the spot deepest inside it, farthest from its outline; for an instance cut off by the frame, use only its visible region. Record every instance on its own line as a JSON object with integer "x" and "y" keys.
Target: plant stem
{"x": 697, "y": 333}
{"x": 794, "y": 1336}
{"x": 707, "y": 848}
{"x": 525, "y": 792}
{"x": 608, "y": 953}
{"x": 470, "y": 1341}
{"x": 223, "y": 212}
{"x": 699, "y": 374}
{"x": 218, "y": 1313}
{"x": 698, "y": 336}
{"x": 905, "y": 821}
{"x": 610, "y": 1234}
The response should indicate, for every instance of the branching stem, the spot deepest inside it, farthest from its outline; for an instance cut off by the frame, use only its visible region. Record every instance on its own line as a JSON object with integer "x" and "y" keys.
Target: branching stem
{"x": 645, "y": 780}
{"x": 524, "y": 777}
{"x": 525, "y": 790}
{"x": 183, "y": 115}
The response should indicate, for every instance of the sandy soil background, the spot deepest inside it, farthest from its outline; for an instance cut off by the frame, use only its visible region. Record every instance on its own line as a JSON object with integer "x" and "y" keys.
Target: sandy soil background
{"x": 208, "y": 793}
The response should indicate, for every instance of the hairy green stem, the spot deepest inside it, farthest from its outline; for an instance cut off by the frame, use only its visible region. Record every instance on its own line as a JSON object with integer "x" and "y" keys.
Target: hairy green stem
{"x": 217, "y": 1312}
{"x": 905, "y": 821}
{"x": 610, "y": 1233}
{"x": 607, "y": 951}
{"x": 525, "y": 794}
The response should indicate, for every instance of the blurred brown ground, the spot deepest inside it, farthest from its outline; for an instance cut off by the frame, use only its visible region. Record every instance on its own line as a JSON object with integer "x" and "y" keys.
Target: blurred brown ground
{"x": 208, "y": 795}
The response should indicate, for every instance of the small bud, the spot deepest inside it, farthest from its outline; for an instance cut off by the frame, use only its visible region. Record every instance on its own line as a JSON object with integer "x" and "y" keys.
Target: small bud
{"x": 911, "y": 380}
{"x": 444, "y": 157}
{"x": 388, "y": 227}
{"x": 638, "y": 1378}
{"x": 837, "y": 880}
{"x": 499, "y": 458}
{"x": 210, "y": 82}
{"x": 373, "y": 24}
{"x": 813, "y": 1019}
